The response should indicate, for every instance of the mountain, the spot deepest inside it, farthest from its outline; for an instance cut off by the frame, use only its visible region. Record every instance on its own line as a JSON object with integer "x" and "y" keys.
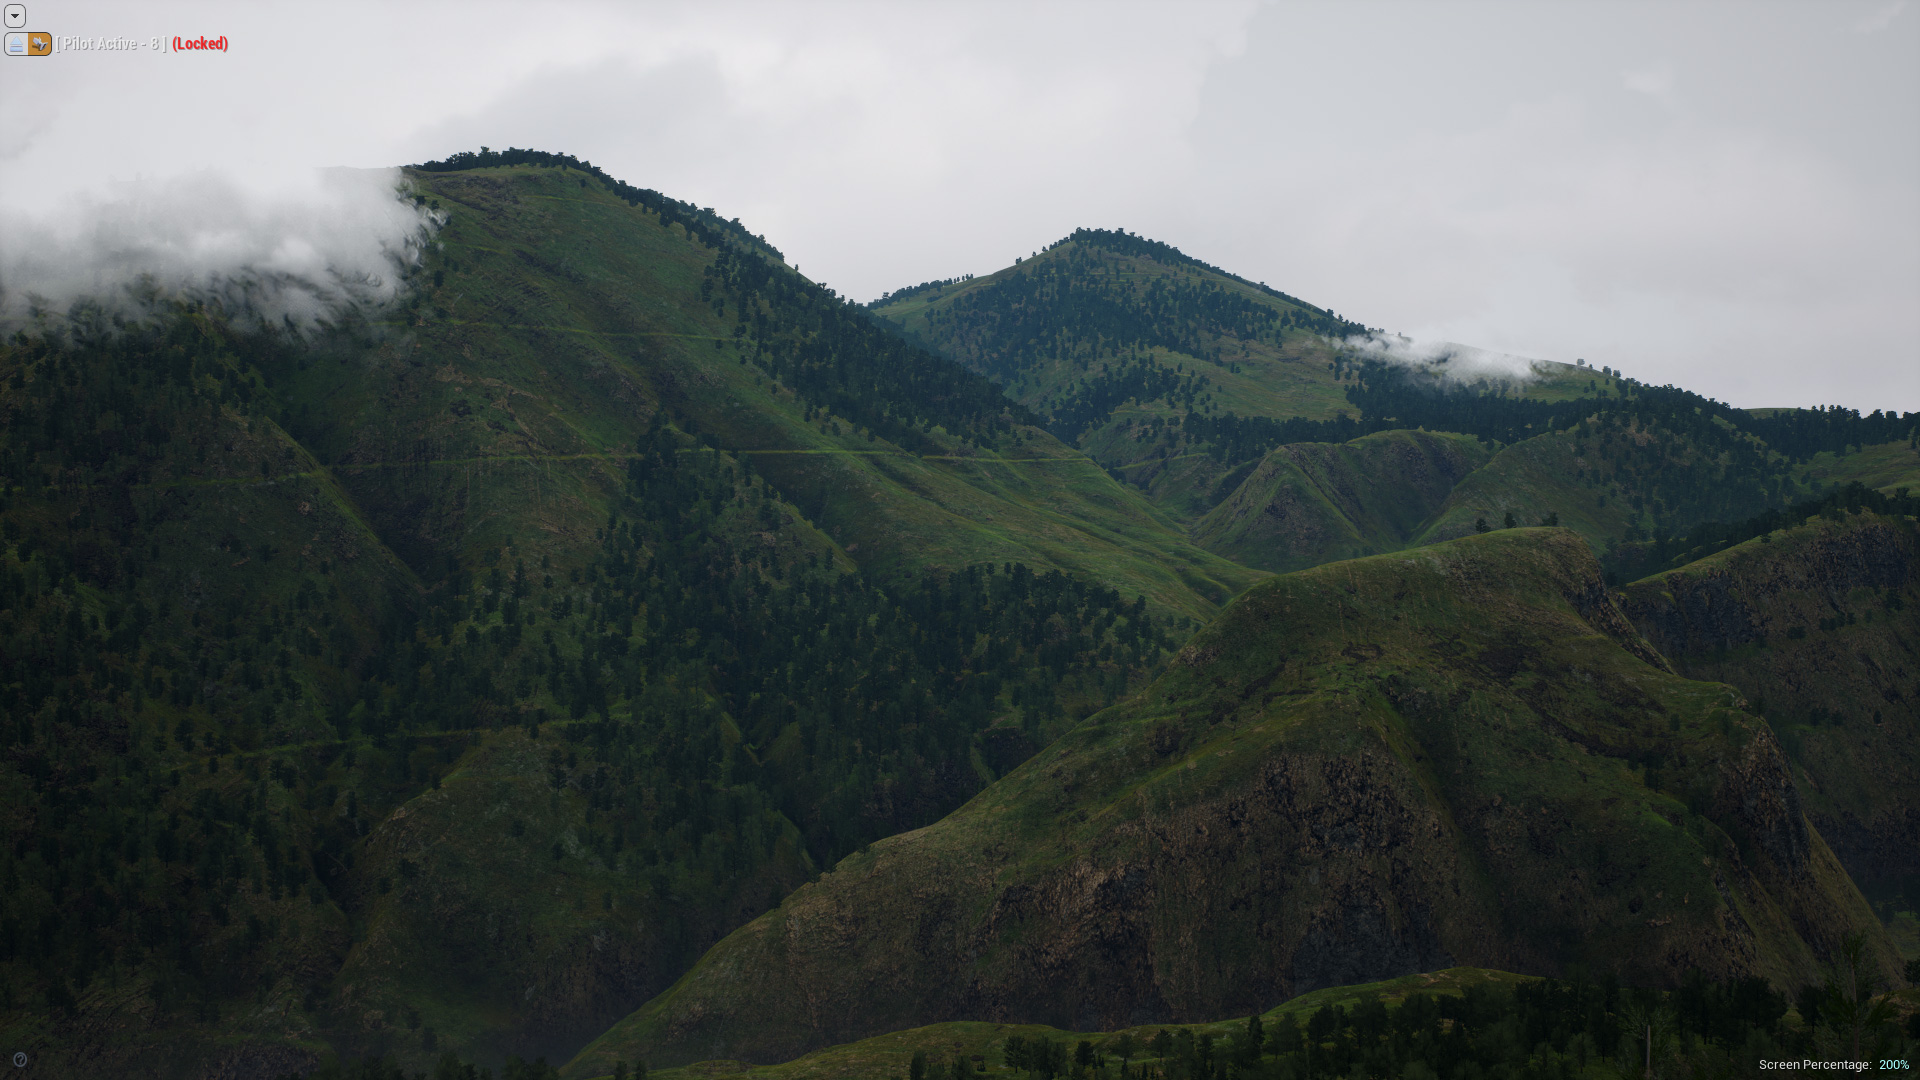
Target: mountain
{"x": 453, "y": 677}
{"x": 1168, "y": 371}
{"x": 1459, "y": 755}
{"x": 1636, "y": 468}
{"x": 1818, "y": 624}
{"x": 1205, "y": 391}
{"x": 1309, "y": 503}
{"x": 540, "y": 630}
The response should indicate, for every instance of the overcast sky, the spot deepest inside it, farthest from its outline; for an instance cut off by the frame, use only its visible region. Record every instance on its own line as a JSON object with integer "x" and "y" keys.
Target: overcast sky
{"x": 1725, "y": 196}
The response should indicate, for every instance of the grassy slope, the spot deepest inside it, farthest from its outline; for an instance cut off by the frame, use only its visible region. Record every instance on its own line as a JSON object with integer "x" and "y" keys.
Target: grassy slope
{"x": 553, "y": 404}
{"x": 1884, "y": 468}
{"x": 1530, "y": 480}
{"x": 1457, "y": 754}
{"x": 573, "y": 316}
{"x": 1845, "y": 698}
{"x": 1594, "y": 489}
{"x": 891, "y": 1055}
{"x": 1289, "y": 380}
{"x": 1294, "y": 377}
{"x": 1310, "y": 503}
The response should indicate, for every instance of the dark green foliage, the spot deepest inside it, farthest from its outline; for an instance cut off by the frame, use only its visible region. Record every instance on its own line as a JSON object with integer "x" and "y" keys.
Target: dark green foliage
{"x": 1849, "y": 1016}
{"x": 1039, "y": 1057}
{"x": 848, "y": 363}
{"x": 1060, "y": 309}
{"x": 1073, "y": 310}
{"x": 1730, "y": 465}
{"x": 1089, "y": 402}
{"x": 196, "y": 729}
{"x": 1122, "y": 242}
{"x": 1802, "y": 433}
{"x": 915, "y": 290}
{"x": 1632, "y": 561}
{"x": 700, "y": 222}
{"x": 1230, "y": 438}
{"x": 857, "y": 703}
{"x": 1397, "y": 396}
{"x": 1076, "y": 311}
{"x": 1545, "y": 1028}
{"x": 825, "y": 347}
{"x": 449, "y": 1067}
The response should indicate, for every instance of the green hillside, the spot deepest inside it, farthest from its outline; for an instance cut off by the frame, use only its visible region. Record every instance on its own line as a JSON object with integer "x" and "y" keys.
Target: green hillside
{"x": 541, "y": 632}
{"x": 1165, "y": 370}
{"x": 1638, "y": 471}
{"x": 1309, "y": 503}
{"x": 1819, "y": 626}
{"x": 1885, "y": 467}
{"x": 1653, "y": 462}
{"x": 501, "y": 671}
{"x": 1448, "y": 1022}
{"x": 1462, "y": 754}
{"x": 906, "y": 463}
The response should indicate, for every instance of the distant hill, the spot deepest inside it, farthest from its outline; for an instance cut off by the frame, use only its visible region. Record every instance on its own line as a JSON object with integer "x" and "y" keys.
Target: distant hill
{"x": 1181, "y": 378}
{"x": 1155, "y": 362}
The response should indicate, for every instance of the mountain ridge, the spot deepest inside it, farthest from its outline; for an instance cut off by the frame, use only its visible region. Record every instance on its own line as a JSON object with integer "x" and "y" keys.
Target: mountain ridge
{"x": 1158, "y": 902}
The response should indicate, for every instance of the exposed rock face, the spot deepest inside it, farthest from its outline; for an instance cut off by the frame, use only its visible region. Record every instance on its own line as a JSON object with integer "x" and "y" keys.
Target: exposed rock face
{"x": 1360, "y": 771}
{"x": 1820, "y": 629}
{"x": 1310, "y": 503}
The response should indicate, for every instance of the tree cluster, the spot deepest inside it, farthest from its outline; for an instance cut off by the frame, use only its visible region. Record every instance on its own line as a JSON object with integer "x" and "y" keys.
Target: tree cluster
{"x": 1540, "y": 1029}
{"x": 1122, "y": 242}
{"x": 700, "y": 222}
{"x": 1632, "y": 561}
{"x": 843, "y": 360}
{"x": 1802, "y": 433}
{"x": 199, "y": 729}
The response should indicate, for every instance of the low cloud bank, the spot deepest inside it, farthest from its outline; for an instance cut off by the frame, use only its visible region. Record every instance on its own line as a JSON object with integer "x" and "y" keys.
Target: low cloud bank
{"x": 1445, "y": 359}
{"x": 304, "y": 252}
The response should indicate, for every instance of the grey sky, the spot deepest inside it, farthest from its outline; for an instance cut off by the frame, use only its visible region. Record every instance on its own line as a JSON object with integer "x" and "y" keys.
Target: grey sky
{"x": 1723, "y": 196}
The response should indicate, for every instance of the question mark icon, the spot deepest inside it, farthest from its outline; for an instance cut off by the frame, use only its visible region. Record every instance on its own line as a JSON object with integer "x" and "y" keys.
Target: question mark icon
{"x": 19, "y": 1059}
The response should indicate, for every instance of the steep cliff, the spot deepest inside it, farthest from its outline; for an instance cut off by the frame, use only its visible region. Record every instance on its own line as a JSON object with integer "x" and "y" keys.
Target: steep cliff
{"x": 1457, "y": 755}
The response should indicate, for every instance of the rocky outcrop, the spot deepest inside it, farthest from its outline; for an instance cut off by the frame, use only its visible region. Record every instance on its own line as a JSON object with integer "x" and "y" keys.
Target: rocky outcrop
{"x": 1754, "y": 594}
{"x": 1818, "y": 627}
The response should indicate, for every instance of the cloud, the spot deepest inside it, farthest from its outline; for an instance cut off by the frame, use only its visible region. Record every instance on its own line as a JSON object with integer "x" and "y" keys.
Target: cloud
{"x": 1758, "y": 242}
{"x": 307, "y": 249}
{"x": 1445, "y": 359}
{"x": 1724, "y": 197}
